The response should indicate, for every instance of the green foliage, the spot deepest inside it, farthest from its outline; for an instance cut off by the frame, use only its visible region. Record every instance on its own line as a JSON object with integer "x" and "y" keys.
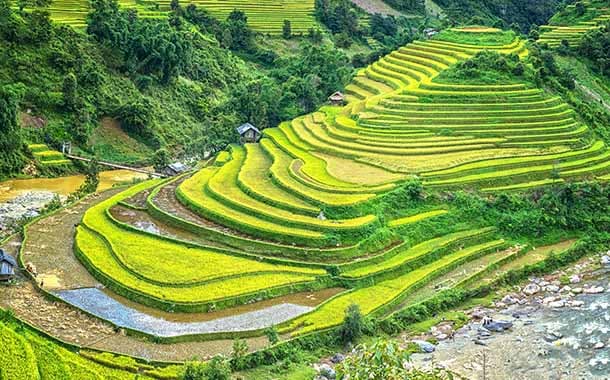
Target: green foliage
{"x": 240, "y": 349}
{"x": 287, "y": 30}
{"x": 11, "y": 146}
{"x": 485, "y": 67}
{"x": 501, "y": 12}
{"x": 194, "y": 371}
{"x": 272, "y": 335}
{"x": 218, "y": 369}
{"x": 353, "y": 325}
{"x": 595, "y": 46}
{"x": 338, "y": 16}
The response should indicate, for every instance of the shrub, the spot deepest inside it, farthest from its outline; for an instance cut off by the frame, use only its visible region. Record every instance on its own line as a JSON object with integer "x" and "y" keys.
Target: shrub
{"x": 272, "y": 335}
{"x": 353, "y": 324}
{"x": 240, "y": 349}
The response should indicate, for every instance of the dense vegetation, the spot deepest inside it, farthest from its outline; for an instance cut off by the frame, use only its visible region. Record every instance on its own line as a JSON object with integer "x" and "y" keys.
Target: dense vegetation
{"x": 523, "y": 14}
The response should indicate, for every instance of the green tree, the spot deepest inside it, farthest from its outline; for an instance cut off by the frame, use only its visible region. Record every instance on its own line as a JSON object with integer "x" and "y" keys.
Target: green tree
{"x": 218, "y": 369}
{"x": 240, "y": 349}
{"x": 352, "y": 326}
{"x": 383, "y": 360}
{"x": 287, "y": 29}
{"x": 272, "y": 335}
{"x": 194, "y": 371}
{"x": 69, "y": 91}
{"x": 11, "y": 146}
{"x": 161, "y": 159}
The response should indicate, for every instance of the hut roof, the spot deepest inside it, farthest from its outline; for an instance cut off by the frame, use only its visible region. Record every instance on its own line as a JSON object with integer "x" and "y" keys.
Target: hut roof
{"x": 242, "y": 129}
{"x": 7, "y": 263}
{"x": 337, "y": 96}
{"x": 178, "y": 167}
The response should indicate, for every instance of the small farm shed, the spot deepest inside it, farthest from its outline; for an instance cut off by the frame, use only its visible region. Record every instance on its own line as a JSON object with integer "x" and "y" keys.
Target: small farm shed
{"x": 248, "y": 133}
{"x": 175, "y": 169}
{"x": 337, "y": 99}
{"x": 430, "y": 32}
{"x": 7, "y": 266}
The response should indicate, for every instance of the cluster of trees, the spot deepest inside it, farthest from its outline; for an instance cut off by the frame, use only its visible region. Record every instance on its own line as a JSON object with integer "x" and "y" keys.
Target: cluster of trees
{"x": 501, "y": 13}
{"x": 11, "y": 145}
{"x": 409, "y": 6}
{"x": 486, "y": 67}
{"x": 341, "y": 19}
{"x": 596, "y": 47}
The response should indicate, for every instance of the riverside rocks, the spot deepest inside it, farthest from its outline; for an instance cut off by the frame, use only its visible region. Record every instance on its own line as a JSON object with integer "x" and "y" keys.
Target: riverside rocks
{"x": 27, "y": 205}
{"x": 531, "y": 289}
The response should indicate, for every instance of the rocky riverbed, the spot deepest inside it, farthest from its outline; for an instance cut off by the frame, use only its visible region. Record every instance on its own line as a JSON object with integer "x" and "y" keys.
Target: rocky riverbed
{"x": 25, "y": 206}
{"x": 552, "y": 327}
{"x": 560, "y": 329}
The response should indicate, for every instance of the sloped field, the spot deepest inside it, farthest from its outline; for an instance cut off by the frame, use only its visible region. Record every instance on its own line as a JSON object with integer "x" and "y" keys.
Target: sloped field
{"x": 571, "y": 28}
{"x": 266, "y": 16}
{"x": 300, "y": 210}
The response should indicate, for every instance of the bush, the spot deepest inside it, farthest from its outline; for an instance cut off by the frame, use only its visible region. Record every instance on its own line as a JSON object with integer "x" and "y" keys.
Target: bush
{"x": 353, "y": 325}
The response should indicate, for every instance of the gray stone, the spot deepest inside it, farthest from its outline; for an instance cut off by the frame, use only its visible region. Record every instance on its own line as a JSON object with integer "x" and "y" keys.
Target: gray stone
{"x": 594, "y": 290}
{"x": 497, "y": 326}
{"x": 552, "y": 288}
{"x": 327, "y": 371}
{"x": 605, "y": 260}
{"x": 531, "y": 289}
{"x": 424, "y": 346}
{"x": 337, "y": 358}
{"x": 509, "y": 299}
{"x": 557, "y": 304}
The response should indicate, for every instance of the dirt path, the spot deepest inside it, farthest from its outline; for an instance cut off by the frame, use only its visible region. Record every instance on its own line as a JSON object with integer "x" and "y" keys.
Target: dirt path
{"x": 592, "y": 94}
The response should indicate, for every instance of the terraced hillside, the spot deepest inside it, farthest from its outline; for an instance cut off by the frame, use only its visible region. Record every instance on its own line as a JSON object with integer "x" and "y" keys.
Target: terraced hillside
{"x": 265, "y": 16}
{"x": 48, "y": 157}
{"x": 300, "y": 209}
{"x": 28, "y": 355}
{"x": 571, "y": 27}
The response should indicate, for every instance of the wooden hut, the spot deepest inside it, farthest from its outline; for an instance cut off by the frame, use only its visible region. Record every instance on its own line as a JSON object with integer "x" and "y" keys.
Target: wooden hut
{"x": 337, "y": 99}
{"x": 248, "y": 133}
{"x": 7, "y": 266}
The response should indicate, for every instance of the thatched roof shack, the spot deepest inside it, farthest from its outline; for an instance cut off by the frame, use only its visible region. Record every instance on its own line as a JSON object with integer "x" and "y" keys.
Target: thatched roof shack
{"x": 337, "y": 99}
{"x": 7, "y": 266}
{"x": 248, "y": 133}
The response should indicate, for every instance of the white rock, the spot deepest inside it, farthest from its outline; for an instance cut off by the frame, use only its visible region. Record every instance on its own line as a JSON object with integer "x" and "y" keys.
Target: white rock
{"x": 531, "y": 289}
{"x": 509, "y": 300}
{"x": 575, "y": 279}
{"x": 551, "y": 288}
{"x": 594, "y": 290}
{"x": 599, "y": 345}
{"x": 576, "y": 303}
{"x": 577, "y": 290}
{"x": 566, "y": 289}
{"x": 557, "y": 304}
{"x": 547, "y": 300}
{"x": 605, "y": 260}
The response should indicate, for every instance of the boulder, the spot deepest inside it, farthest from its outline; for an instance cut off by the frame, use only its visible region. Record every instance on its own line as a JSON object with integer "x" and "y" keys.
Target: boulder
{"x": 337, "y": 358}
{"x": 575, "y": 279}
{"x": 424, "y": 346}
{"x": 557, "y": 304}
{"x": 552, "y": 288}
{"x": 594, "y": 290}
{"x": 577, "y": 290}
{"x": 509, "y": 300}
{"x": 497, "y": 326}
{"x": 531, "y": 289}
{"x": 327, "y": 371}
{"x": 605, "y": 260}
{"x": 576, "y": 303}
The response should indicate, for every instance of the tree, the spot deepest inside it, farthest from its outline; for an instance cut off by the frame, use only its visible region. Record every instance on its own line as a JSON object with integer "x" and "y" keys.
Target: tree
{"x": 161, "y": 159}
{"x": 240, "y": 349}
{"x": 287, "y": 30}
{"x": 272, "y": 335}
{"x": 135, "y": 117}
{"x": 580, "y": 7}
{"x": 218, "y": 369}
{"x": 383, "y": 360}
{"x": 242, "y": 37}
{"x": 11, "y": 145}
{"x": 69, "y": 91}
{"x": 175, "y": 5}
{"x": 353, "y": 325}
{"x": 194, "y": 371}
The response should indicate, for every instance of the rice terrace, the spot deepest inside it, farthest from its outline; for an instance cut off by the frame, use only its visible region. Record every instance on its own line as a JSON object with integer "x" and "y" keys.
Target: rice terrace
{"x": 453, "y": 179}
